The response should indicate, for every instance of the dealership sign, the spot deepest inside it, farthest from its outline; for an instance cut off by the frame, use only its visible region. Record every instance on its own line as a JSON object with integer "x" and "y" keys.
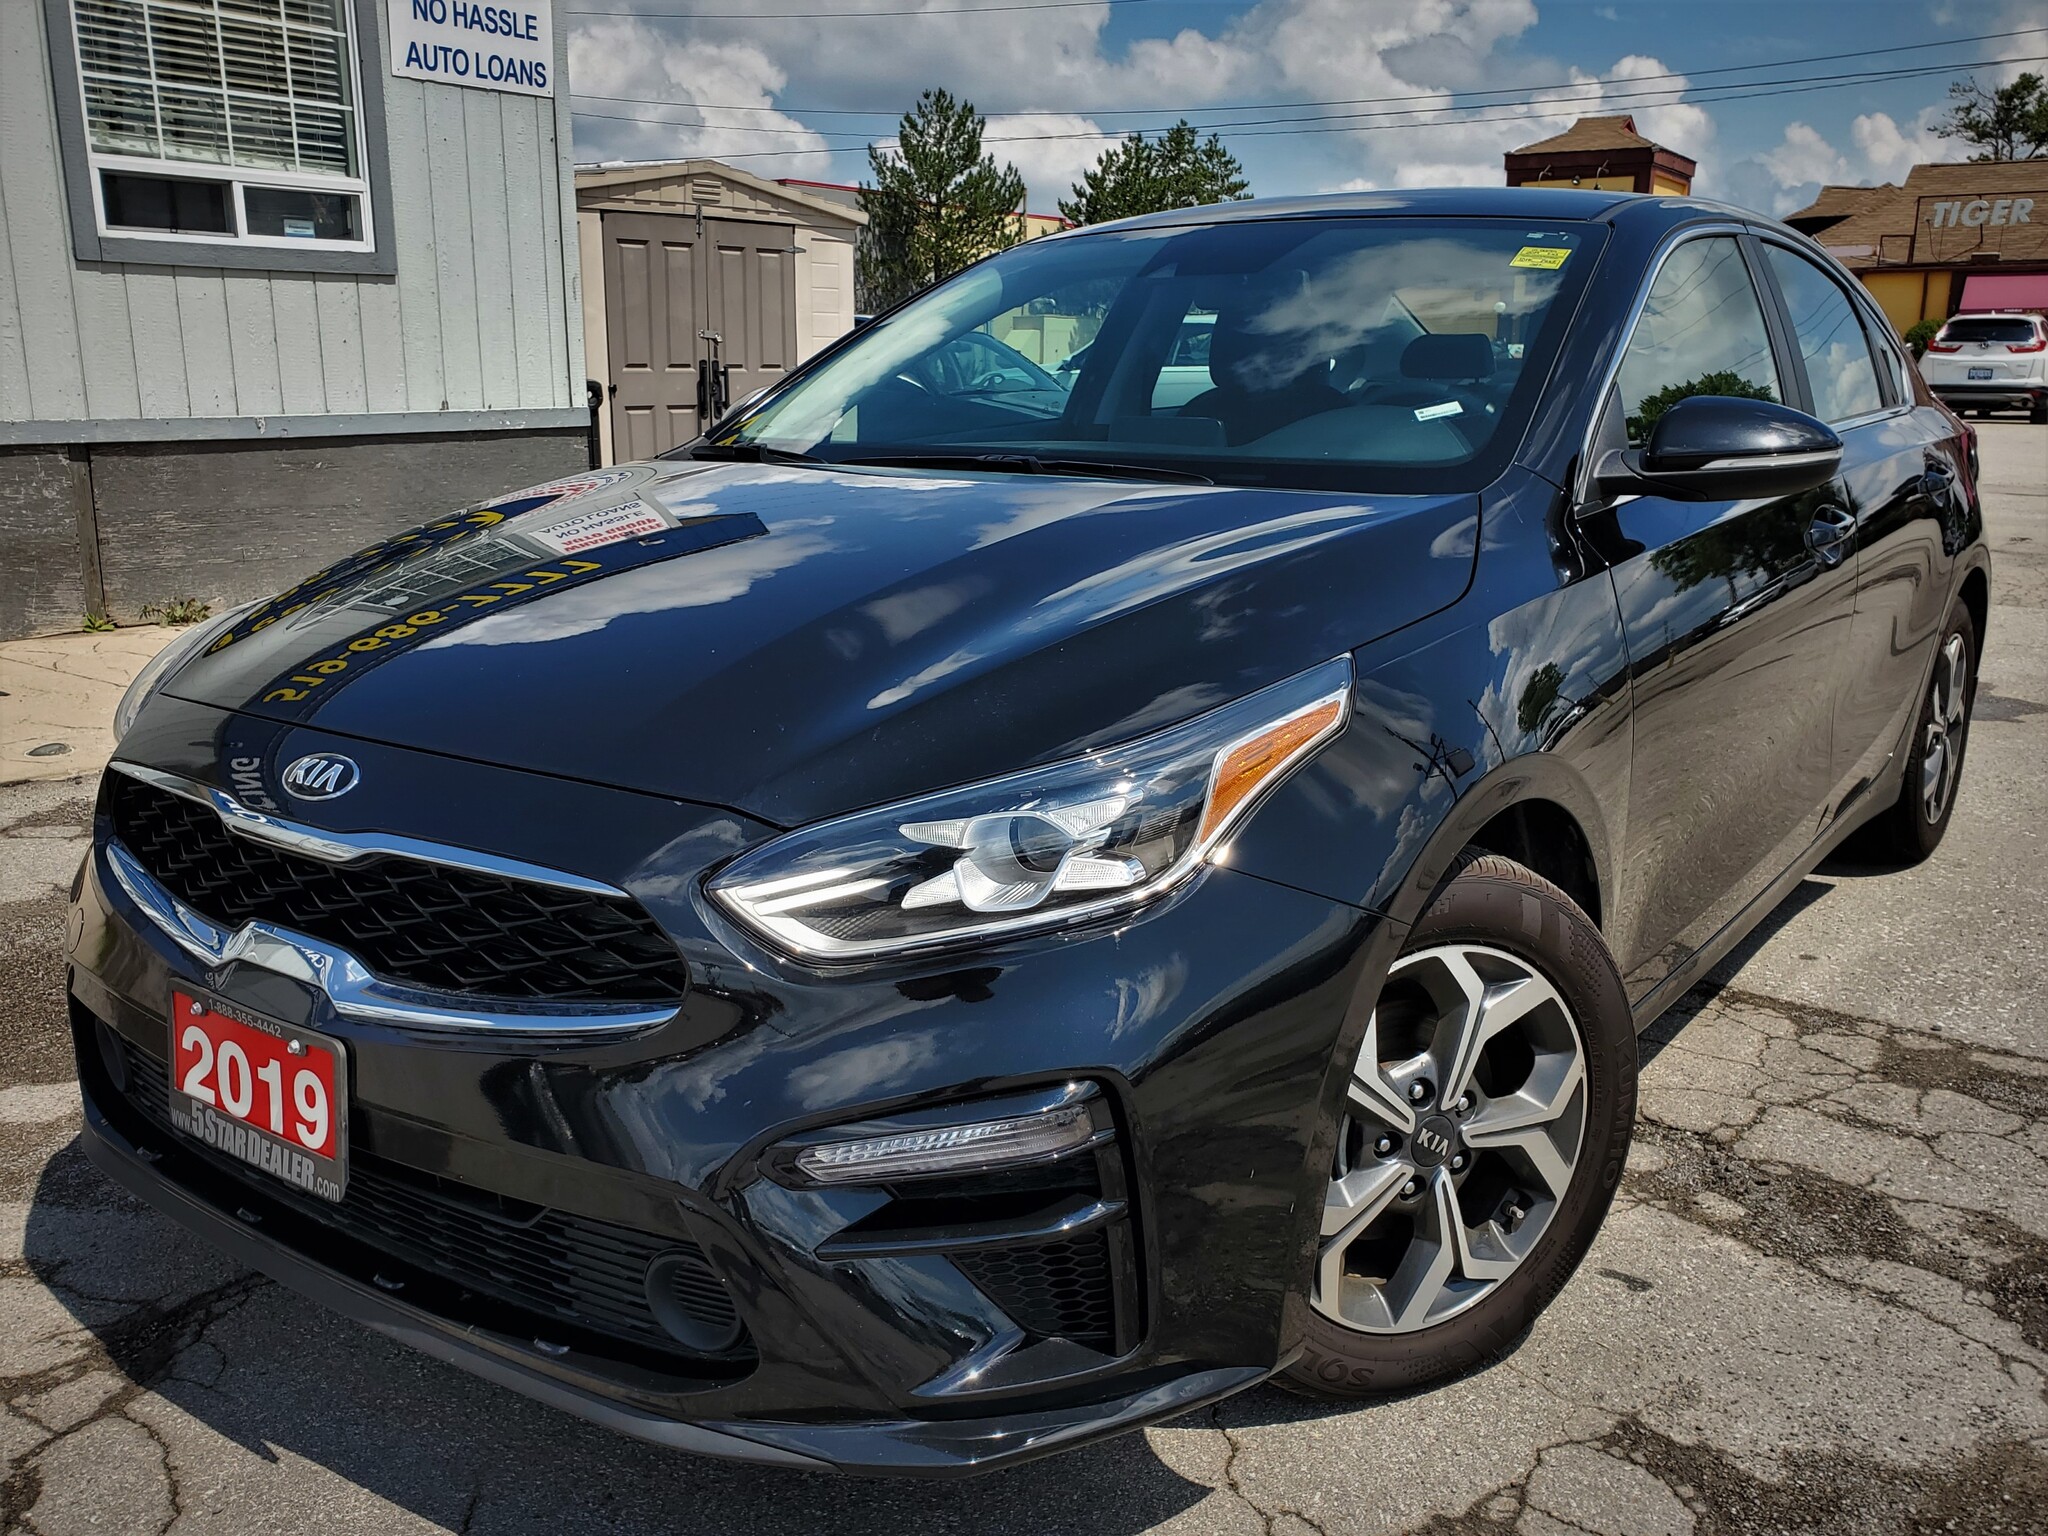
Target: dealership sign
{"x": 1974, "y": 211}
{"x": 489, "y": 47}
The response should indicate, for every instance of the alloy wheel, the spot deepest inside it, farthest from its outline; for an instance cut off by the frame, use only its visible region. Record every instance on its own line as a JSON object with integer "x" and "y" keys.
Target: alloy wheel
{"x": 1464, "y": 1119}
{"x": 1941, "y": 749}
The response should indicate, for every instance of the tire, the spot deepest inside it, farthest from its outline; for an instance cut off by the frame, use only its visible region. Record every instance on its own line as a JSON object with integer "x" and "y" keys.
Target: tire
{"x": 1372, "y": 1324}
{"x": 1913, "y": 826}
{"x": 2038, "y": 413}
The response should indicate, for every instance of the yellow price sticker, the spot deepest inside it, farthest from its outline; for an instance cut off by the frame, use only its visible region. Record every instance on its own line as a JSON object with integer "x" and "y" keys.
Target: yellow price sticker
{"x": 1546, "y": 258}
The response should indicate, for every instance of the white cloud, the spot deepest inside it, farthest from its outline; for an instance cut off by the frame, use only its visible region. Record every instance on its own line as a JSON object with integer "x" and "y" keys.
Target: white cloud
{"x": 1052, "y": 164}
{"x": 1049, "y": 71}
{"x": 615, "y": 57}
{"x": 1890, "y": 151}
{"x": 1793, "y": 171}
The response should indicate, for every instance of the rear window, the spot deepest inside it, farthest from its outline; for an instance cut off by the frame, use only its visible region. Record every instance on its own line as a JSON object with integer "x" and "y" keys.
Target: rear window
{"x": 1988, "y": 330}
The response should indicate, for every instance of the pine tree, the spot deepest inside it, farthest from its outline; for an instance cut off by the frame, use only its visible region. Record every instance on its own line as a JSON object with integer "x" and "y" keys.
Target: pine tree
{"x": 2010, "y": 123}
{"x": 936, "y": 204}
{"x": 1140, "y": 175}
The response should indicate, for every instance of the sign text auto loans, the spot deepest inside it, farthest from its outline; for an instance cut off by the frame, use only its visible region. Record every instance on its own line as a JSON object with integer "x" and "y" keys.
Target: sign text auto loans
{"x": 467, "y": 63}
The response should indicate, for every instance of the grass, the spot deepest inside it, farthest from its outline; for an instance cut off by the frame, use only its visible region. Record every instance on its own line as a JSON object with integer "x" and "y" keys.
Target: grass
{"x": 179, "y": 610}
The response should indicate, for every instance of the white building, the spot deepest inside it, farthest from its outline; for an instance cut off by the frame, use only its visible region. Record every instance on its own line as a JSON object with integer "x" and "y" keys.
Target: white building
{"x": 276, "y": 277}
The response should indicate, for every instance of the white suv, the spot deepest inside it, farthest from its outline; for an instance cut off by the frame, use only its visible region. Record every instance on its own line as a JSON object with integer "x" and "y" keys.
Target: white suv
{"x": 1991, "y": 360}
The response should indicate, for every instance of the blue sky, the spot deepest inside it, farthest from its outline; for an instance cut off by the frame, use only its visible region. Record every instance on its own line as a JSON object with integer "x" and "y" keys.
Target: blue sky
{"x": 785, "y": 94}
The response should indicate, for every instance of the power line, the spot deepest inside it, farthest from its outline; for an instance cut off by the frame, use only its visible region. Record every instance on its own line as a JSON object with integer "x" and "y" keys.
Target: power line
{"x": 1357, "y": 101}
{"x": 1624, "y": 98}
{"x": 937, "y": 10}
{"x": 1419, "y": 118}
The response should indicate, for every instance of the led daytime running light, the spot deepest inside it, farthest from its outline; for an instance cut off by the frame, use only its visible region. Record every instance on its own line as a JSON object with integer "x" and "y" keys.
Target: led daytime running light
{"x": 949, "y": 1149}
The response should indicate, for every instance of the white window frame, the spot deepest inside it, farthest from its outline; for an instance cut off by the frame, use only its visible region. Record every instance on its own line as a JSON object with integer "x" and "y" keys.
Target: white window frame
{"x": 121, "y": 242}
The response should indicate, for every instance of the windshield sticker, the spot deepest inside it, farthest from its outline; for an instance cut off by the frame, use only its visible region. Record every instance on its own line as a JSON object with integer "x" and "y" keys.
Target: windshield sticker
{"x": 1545, "y": 258}
{"x": 1432, "y": 412}
{"x": 606, "y": 525}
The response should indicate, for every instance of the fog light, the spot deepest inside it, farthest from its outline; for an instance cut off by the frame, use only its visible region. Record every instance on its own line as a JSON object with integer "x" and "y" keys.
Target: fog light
{"x": 949, "y": 1148}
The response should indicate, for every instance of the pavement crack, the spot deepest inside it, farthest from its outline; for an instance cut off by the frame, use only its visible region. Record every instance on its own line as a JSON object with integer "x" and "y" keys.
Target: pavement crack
{"x": 1268, "y": 1518}
{"x": 141, "y": 1347}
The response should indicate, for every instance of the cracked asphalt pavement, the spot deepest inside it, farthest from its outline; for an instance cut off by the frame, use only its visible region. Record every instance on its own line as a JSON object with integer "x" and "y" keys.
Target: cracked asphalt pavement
{"x": 1820, "y": 1304}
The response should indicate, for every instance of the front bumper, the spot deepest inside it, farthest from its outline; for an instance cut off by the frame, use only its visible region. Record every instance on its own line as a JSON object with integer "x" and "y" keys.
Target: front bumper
{"x": 1207, "y": 1029}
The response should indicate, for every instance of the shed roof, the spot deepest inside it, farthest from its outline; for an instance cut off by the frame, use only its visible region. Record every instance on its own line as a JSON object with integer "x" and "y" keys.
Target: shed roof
{"x": 710, "y": 184}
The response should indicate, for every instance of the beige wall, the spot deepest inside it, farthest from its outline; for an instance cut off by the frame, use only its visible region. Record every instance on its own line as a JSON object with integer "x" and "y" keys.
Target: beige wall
{"x": 1622, "y": 183}
{"x": 1907, "y": 298}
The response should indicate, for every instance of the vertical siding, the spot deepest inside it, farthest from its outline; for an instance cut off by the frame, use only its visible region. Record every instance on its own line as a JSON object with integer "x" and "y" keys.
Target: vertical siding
{"x": 38, "y": 243}
{"x": 480, "y": 314}
{"x": 209, "y": 349}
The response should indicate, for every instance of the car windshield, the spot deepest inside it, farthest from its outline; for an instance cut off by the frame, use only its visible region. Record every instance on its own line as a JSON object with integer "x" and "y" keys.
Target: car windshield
{"x": 2021, "y": 331}
{"x": 1341, "y": 353}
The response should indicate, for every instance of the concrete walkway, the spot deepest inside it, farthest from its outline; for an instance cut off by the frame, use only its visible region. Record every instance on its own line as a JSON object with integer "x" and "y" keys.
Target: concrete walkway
{"x": 57, "y": 698}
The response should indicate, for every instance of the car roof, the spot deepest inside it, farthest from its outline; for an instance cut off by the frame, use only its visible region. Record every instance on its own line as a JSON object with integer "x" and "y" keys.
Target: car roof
{"x": 1993, "y": 314}
{"x": 1535, "y": 203}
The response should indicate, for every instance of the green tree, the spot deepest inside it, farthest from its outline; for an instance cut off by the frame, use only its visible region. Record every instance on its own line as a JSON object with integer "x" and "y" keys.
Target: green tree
{"x": 2010, "y": 123}
{"x": 1179, "y": 169}
{"x": 937, "y": 202}
{"x": 1539, "y": 697}
{"x": 1721, "y": 382}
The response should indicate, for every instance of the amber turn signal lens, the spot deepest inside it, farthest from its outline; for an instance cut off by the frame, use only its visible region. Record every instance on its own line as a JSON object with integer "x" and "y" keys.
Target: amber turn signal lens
{"x": 1249, "y": 764}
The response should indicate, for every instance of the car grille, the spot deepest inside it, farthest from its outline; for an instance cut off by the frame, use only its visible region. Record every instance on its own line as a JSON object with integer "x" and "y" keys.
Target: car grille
{"x": 1059, "y": 1290}
{"x": 554, "y": 1265}
{"x": 420, "y": 924}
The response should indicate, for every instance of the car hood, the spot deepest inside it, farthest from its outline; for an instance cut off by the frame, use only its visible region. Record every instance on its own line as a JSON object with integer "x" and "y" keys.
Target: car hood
{"x": 796, "y": 642}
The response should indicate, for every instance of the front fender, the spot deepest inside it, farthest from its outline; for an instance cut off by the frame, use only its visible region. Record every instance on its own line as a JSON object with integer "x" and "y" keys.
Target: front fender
{"x": 1519, "y": 693}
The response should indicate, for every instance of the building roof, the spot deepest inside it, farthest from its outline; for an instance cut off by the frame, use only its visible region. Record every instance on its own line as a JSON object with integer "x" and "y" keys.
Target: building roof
{"x": 710, "y": 183}
{"x": 1590, "y": 135}
{"x": 1890, "y": 225}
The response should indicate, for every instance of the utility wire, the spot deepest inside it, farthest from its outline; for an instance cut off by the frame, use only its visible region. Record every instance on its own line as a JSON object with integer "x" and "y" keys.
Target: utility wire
{"x": 1418, "y": 118}
{"x": 1358, "y": 101}
{"x": 1623, "y": 98}
{"x": 936, "y": 10}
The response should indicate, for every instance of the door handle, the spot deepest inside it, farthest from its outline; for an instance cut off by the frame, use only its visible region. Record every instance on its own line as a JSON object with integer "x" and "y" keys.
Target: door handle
{"x": 1829, "y": 533}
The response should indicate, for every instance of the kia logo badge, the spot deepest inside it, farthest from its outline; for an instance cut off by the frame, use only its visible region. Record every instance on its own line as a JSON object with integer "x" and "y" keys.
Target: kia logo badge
{"x": 321, "y": 776}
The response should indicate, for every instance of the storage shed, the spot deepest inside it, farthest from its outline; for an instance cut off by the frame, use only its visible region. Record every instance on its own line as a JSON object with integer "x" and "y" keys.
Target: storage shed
{"x": 675, "y": 249}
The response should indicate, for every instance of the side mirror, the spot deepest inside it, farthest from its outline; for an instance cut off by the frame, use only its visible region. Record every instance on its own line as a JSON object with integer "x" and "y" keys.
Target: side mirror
{"x": 1720, "y": 448}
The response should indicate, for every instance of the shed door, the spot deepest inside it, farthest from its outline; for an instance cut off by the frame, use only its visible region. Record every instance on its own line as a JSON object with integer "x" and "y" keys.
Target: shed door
{"x": 653, "y": 297}
{"x": 753, "y": 300}
{"x": 664, "y": 283}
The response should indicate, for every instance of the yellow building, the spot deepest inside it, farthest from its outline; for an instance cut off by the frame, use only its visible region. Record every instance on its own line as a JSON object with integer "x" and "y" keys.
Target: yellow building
{"x": 1604, "y": 153}
{"x": 1965, "y": 235}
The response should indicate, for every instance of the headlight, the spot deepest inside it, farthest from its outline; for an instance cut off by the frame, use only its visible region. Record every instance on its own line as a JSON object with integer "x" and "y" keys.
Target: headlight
{"x": 1036, "y": 849}
{"x": 167, "y": 661}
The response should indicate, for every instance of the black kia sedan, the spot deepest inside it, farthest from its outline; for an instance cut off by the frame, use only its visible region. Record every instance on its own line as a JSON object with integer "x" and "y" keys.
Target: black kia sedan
{"x": 943, "y": 920}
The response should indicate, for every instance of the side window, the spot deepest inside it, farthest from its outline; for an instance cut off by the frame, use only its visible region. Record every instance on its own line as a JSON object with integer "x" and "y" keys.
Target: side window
{"x": 1701, "y": 332}
{"x": 1839, "y": 369}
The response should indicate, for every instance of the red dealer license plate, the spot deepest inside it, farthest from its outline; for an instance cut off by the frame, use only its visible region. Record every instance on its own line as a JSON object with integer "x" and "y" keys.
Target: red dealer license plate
{"x": 273, "y": 1095}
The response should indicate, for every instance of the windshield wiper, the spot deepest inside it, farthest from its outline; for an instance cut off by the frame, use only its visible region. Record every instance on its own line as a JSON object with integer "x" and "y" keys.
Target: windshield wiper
{"x": 1032, "y": 464}
{"x": 752, "y": 453}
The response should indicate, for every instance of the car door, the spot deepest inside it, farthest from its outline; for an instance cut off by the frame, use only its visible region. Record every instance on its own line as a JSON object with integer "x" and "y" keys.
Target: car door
{"x": 1736, "y": 616}
{"x": 1898, "y": 483}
